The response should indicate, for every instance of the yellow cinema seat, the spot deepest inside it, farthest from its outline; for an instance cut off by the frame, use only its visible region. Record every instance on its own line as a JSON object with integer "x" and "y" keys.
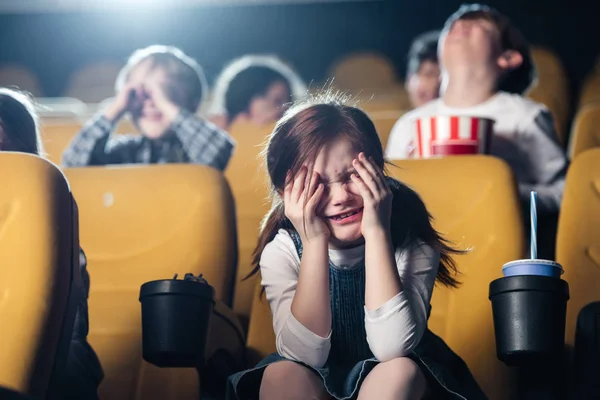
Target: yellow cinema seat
{"x": 21, "y": 77}
{"x": 586, "y": 130}
{"x": 249, "y": 183}
{"x": 359, "y": 71}
{"x": 577, "y": 247}
{"x": 39, "y": 249}
{"x": 138, "y": 224}
{"x": 94, "y": 82}
{"x": 590, "y": 91}
{"x": 384, "y": 121}
{"x": 56, "y": 136}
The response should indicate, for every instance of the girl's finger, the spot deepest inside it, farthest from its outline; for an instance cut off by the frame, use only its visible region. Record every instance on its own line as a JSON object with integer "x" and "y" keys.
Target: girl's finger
{"x": 383, "y": 182}
{"x": 366, "y": 176}
{"x": 298, "y": 187}
{"x": 364, "y": 190}
{"x": 313, "y": 202}
{"x": 312, "y": 184}
{"x": 372, "y": 166}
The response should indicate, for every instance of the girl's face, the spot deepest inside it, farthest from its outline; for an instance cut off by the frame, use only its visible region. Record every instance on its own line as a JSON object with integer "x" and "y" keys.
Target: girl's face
{"x": 341, "y": 205}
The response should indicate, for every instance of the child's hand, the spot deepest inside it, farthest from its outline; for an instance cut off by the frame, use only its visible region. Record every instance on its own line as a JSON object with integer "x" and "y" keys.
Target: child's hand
{"x": 301, "y": 197}
{"x": 376, "y": 194}
{"x": 129, "y": 99}
{"x": 156, "y": 93}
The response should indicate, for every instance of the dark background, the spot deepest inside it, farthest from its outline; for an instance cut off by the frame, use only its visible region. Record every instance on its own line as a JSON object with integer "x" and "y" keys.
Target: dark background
{"x": 310, "y": 36}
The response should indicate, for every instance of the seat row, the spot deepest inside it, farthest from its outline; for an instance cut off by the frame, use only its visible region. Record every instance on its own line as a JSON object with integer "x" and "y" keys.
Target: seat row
{"x": 140, "y": 223}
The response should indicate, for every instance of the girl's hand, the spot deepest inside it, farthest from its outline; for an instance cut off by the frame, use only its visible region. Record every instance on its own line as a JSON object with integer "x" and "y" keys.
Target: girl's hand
{"x": 301, "y": 197}
{"x": 376, "y": 194}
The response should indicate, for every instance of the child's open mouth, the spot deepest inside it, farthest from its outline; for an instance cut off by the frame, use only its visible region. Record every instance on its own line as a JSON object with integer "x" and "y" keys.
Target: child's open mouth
{"x": 347, "y": 217}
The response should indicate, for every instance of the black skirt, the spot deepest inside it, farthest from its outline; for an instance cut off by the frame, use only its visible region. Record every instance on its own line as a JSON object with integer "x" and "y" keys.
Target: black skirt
{"x": 447, "y": 374}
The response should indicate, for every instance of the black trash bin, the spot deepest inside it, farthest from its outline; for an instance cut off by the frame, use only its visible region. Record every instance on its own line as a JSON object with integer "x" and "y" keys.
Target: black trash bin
{"x": 529, "y": 318}
{"x": 175, "y": 321}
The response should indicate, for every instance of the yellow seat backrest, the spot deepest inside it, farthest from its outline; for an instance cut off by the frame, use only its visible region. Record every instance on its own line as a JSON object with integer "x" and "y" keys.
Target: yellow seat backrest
{"x": 250, "y": 186}
{"x": 557, "y": 106}
{"x": 577, "y": 247}
{"x": 39, "y": 251}
{"x": 590, "y": 91}
{"x": 552, "y": 87}
{"x": 585, "y": 134}
{"x": 384, "y": 121}
{"x": 547, "y": 61}
{"x": 21, "y": 77}
{"x": 56, "y": 136}
{"x": 474, "y": 203}
{"x": 94, "y": 82}
{"x": 138, "y": 224}
{"x": 359, "y": 71}
{"x": 392, "y": 98}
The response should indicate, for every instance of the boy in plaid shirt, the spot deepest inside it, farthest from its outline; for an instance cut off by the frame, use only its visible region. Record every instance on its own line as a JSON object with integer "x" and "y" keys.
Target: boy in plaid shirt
{"x": 161, "y": 88}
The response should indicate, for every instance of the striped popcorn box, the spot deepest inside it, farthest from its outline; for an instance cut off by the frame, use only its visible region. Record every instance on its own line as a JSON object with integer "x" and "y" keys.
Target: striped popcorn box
{"x": 452, "y": 135}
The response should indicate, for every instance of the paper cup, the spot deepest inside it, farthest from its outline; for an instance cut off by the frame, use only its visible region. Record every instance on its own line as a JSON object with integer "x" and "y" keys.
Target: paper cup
{"x": 451, "y": 135}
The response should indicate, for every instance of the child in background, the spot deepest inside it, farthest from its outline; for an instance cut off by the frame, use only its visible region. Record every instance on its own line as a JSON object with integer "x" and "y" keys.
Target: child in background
{"x": 423, "y": 71}
{"x": 160, "y": 88}
{"x": 486, "y": 67}
{"x": 348, "y": 260}
{"x": 254, "y": 89}
{"x": 83, "y": 373}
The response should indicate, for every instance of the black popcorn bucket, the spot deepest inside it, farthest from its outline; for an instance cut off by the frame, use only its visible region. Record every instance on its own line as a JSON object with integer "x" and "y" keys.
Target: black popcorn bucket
{"x": 175, "y": 321}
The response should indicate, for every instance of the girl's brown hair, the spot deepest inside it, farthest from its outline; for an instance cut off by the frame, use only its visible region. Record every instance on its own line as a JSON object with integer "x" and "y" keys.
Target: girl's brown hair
{"x": 297, "y": 139}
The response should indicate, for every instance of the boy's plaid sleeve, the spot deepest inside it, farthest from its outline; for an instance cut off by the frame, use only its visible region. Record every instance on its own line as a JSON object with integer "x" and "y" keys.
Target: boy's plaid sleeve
{"x": 203, "y": 142}
{"x": 94, "y": 134}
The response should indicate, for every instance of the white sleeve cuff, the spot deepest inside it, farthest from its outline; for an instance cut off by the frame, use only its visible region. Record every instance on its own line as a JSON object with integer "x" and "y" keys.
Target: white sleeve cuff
{"x": 305, "y": 335}
{"x": 297, "y": 342}
{"x": 388, "y": 309}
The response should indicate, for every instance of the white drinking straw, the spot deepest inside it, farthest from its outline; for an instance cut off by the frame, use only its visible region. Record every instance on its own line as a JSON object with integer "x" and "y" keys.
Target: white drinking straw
{"x": 533, "y": 212}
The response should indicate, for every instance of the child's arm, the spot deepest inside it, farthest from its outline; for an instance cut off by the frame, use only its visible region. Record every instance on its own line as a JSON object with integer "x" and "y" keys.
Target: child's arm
{"x": 280, "y": 268}
{"x": 202, "y": 141}
{"x": 94, "y": 145}
{"x": 395, "y": 328}
{"x": 547, "y": 162}
{"x": 394, "y": 322}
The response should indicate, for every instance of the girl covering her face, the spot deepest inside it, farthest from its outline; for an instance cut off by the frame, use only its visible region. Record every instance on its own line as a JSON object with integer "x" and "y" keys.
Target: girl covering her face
{"x": 348, "y": 260}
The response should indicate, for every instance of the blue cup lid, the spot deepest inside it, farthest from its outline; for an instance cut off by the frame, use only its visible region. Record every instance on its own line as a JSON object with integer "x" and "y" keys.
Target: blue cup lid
{"x": 533, "y": 261}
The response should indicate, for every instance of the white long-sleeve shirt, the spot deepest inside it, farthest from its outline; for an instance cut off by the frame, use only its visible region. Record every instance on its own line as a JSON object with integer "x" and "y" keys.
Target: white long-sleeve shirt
{"x": 524, "y": 137}
{"x": 393, "y": 330}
